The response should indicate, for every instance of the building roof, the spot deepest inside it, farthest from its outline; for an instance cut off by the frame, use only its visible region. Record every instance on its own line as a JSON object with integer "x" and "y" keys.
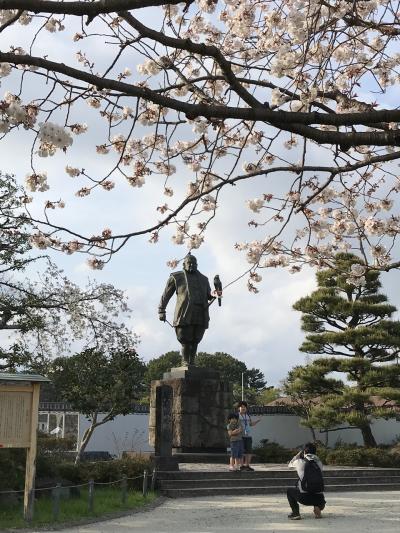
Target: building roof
{"x": 22, "y": 377}
{"x": 376, "y": 401}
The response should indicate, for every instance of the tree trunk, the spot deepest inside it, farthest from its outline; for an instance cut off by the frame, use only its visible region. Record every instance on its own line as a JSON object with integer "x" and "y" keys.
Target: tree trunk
{"x": 89, "y": 432}
{"x": 368, "y": 437}
{"x": 85, "y": 439}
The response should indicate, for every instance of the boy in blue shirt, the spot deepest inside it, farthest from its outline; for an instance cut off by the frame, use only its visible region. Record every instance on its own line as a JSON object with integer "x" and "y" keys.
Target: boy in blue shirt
{"x": 247, "y": 423}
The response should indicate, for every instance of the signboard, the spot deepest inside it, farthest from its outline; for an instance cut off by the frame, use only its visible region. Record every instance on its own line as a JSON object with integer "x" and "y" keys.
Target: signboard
{"x": 19, "y": 407}
{"x": 15, "y": 417}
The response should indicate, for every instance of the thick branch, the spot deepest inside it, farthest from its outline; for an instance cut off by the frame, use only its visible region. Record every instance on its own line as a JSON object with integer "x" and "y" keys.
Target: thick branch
{"x": 82, "y": 8}
{"x": 288, "y": 121}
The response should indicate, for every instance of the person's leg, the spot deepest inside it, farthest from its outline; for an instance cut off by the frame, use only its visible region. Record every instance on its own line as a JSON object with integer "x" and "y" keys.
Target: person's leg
{"x": 231, "y": 463}
{"x": 293, "y": 495}
{"x": 247, "y": 461}
{"x": 235, "y": 455}
{"x": 249, "y": 451}
{"x": 248, "y": 448}
{"x": 243, "y": 460}
{"x": 317, "y": 501}
{"x": 240, "y": 455}
{"x": 232, "y": 458}
{"x": 319, "y": 505}
{"x": 317, "y": 512}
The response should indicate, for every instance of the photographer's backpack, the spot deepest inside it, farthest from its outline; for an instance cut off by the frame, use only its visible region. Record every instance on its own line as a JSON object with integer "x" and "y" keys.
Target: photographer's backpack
{"x": 313, "y": 481}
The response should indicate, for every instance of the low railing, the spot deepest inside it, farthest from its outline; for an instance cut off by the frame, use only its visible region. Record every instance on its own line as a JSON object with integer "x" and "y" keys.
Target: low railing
{"x": 58, "y": 492}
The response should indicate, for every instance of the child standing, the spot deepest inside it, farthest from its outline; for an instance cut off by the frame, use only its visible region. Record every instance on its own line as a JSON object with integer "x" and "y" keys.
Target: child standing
{"x": 235, "y": 432}
{"x": 247, "y": 424}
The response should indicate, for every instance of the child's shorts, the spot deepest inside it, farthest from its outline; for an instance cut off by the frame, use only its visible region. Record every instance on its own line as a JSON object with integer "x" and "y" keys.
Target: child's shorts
{"x": 237, "y": 449}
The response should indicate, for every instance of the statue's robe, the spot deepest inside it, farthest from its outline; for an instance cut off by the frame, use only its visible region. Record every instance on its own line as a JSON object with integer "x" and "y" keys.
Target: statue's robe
{"x": 193, "y": 292}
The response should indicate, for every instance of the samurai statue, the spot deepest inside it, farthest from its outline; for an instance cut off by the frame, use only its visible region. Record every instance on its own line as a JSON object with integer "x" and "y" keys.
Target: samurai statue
{"x": 191, "y": 318}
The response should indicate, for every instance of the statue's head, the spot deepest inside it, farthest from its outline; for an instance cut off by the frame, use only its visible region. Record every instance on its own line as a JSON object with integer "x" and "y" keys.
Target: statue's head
{"x": 190, "y": 263}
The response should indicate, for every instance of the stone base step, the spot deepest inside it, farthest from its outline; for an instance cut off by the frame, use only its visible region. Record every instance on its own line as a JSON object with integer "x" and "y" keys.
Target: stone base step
{"x": 236, "y": 481}
{"x": 191, "y": 483}
{"x": 208, "y": 458}
{"x": 276, "y": 473}
{"x": 238, "y": 491}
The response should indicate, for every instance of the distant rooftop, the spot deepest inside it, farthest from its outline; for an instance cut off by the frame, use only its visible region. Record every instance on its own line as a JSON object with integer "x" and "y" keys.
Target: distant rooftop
{"x": 22, "y": 377}
{"x": 287, "y": 402}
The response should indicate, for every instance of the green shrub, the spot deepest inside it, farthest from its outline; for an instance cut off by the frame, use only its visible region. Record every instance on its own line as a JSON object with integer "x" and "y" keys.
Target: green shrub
{"x": 105, "y": 471}
{"x": 12, "y": 468}
{"x": 68, "y": 471}
{"x": 322, "y": 452}
{"x": 360, "y": 456}
{"x": 50, "y": 444}
{"x": 272, "y": 452}
{"x": 51, "y": 467}
{"x": 342, "y": 455}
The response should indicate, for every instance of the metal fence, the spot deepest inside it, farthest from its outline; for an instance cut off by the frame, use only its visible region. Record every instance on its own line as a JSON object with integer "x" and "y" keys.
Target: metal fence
{"x": 59, "y": 493}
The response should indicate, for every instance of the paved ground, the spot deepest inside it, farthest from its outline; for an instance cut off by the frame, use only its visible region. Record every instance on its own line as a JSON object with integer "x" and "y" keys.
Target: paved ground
{"x": 353, "y": 512}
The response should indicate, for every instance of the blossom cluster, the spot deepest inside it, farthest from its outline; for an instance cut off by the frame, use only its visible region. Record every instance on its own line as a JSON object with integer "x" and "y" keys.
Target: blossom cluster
{"x": 36, "y": 182}
{"x": 55, "y": 135}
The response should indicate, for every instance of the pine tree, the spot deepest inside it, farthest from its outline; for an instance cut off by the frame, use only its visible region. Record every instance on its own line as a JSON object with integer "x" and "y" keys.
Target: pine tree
{"x": 348, "y": 320}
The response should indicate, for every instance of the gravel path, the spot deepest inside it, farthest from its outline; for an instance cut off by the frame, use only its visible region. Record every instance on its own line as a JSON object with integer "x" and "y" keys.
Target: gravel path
{"x": 353, "y": 512}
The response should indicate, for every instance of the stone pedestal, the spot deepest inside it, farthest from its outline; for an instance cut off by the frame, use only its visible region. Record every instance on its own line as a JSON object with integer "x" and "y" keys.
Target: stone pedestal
{"x": 201, "y": 402}
{"x": 163, "y": 460}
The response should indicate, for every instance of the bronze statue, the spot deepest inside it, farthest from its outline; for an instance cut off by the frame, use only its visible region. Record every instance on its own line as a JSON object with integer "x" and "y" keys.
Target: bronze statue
{"x": 193, "y": 293}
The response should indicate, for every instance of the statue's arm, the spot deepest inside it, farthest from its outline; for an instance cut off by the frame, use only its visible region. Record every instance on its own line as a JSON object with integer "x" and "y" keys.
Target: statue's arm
{"x": 165, "y": 298}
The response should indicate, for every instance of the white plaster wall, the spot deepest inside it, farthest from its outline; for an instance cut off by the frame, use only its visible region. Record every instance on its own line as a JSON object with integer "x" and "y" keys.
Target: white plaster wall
{"x": 130, "y": 432}
{"x": 286, "y": 430}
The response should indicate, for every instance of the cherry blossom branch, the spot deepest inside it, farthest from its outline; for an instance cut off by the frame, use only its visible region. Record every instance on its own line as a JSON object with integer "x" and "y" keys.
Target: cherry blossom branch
{"x": 75, "y": 8}
{"x": 348, "y": 168}
{"x": 195, "y": 48}
{"x": 11, "y": 20}
{"x": 295, "y": 122}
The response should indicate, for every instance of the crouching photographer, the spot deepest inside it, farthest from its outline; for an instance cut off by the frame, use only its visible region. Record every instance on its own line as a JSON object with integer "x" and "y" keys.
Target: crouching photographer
{"x": 309, "y": 489}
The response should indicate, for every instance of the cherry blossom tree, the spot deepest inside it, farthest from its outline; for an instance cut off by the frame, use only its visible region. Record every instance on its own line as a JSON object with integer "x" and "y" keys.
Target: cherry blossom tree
{"x": 299, "y": 95}
{"x": 47, "y": 315}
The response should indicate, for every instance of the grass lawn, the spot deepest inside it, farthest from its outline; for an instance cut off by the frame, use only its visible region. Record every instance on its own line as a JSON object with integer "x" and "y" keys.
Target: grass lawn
{"x": 106, "y": 501}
